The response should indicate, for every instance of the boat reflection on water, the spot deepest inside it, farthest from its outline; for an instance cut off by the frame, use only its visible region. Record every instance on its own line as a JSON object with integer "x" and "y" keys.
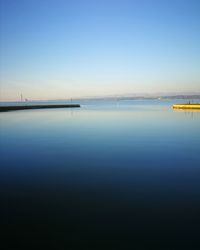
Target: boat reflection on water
{"x": 187, "y": 110}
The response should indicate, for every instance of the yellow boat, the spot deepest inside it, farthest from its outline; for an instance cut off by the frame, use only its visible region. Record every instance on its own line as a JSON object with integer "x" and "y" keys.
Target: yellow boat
{"x": 187, "y": 106}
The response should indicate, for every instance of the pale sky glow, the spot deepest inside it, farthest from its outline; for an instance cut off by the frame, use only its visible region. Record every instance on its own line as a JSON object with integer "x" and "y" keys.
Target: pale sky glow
{"x": 53, "y": 49}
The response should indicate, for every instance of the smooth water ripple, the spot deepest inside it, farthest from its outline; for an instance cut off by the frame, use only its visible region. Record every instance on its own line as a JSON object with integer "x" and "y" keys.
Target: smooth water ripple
{"x": 102, "y": 173}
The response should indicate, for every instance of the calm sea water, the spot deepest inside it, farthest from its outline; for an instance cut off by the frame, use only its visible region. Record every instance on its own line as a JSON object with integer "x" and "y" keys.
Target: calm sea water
{"x": 108, "y": 174}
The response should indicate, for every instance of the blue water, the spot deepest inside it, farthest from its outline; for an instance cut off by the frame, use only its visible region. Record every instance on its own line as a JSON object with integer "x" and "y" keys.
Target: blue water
{"x": 107, "y": 173}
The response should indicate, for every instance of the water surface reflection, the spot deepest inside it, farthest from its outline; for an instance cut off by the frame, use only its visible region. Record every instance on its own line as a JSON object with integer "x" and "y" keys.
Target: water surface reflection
{"x": 117, "y": 174}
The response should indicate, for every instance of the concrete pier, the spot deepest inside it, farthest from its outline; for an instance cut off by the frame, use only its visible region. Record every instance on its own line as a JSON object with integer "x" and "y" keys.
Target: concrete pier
{"x": 50, "y": 106}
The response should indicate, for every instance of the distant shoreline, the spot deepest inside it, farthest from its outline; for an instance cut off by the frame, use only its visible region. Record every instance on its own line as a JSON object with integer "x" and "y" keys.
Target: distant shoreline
{"x": 114, "y": 98}
{"x": 24, "y": 107}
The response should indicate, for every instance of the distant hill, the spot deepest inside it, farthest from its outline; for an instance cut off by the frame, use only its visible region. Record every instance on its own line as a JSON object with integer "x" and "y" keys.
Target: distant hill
{"x": 143, "y": 97}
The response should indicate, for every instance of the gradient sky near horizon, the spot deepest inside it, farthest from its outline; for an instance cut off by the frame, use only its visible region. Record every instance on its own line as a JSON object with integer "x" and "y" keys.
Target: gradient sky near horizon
{"x": 75, "y": 48}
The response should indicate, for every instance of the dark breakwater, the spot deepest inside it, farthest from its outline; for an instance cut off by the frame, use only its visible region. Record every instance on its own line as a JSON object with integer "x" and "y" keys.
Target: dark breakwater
{"x": 13, "y": 108}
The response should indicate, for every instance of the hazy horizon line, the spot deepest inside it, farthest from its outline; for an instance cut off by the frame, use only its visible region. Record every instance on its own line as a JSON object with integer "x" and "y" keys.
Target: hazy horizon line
{"x": 126, "y": 95}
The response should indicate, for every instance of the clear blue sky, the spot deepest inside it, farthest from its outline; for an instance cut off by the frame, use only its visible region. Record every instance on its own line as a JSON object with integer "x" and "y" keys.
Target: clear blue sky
{"x": 72, "y": 48}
